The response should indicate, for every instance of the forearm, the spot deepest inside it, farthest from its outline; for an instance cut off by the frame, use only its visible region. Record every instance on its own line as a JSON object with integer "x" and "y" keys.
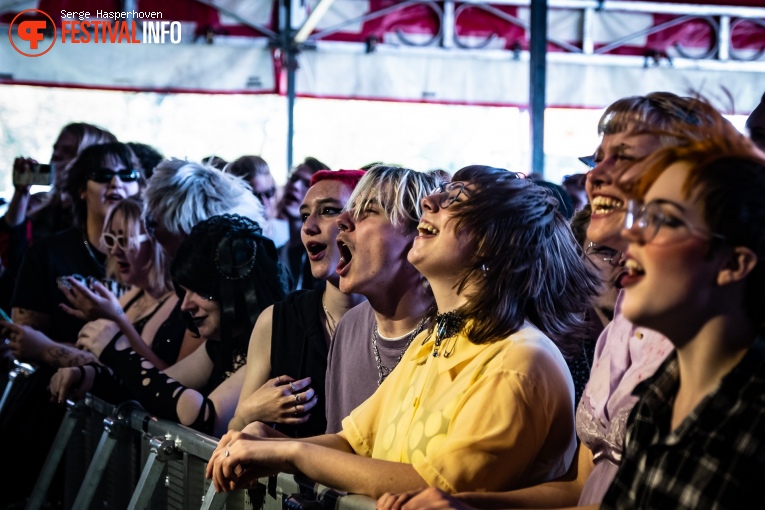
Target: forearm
{"x": 353, "y": 473}
{"x": 137, "y": 343}
{"x": 546, "y": 495}
{"x": 158, "y": 393}
{"x": 17, "y": 208}
{"x": 59, "y": 355}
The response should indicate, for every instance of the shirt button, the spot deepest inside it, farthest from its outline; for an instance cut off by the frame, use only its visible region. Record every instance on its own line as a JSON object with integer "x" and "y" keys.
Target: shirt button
{"x": 639, "y": 335}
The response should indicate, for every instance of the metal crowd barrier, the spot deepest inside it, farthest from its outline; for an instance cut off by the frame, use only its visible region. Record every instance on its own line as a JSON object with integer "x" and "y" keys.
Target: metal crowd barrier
{"x": 121, "y": 457}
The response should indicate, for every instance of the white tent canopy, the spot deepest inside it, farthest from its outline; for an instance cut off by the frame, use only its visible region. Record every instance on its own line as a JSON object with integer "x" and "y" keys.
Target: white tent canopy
{"x": 427, "y": 51}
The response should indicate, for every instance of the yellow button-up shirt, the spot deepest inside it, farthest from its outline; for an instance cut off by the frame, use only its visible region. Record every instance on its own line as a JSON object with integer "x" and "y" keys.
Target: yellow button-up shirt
{"x": 496, "y": 416}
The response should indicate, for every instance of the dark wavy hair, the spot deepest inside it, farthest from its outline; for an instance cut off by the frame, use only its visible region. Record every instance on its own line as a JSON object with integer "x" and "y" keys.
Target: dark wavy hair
{"x": 728, "y": 173}
{"x": 92, "y": 158}
{"x": 226, "y": 259}
{"x": 526, "y": 264}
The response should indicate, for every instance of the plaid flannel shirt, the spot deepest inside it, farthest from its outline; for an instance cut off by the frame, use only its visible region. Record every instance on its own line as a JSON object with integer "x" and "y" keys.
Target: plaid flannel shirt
{"x": 714, "y": 459}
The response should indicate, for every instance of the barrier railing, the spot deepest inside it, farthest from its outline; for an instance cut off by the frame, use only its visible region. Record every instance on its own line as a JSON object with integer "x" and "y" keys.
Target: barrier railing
{"x": 123, "y": 457}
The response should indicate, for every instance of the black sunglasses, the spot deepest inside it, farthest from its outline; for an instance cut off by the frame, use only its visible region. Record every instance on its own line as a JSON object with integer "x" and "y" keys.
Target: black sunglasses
{"x": 105, "y": 175}
{"x": 266, "y": 194}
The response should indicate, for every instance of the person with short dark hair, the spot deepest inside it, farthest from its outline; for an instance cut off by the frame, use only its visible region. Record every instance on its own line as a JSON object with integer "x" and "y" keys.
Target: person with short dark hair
{"x": 101, "y": 176}
{"x": 148, "y": 155}
{"x": 255, "y": 172}
{"x": 480, "y": 399}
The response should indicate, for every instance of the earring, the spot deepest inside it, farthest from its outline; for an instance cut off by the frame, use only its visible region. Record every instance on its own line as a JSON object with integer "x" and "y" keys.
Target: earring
{"x": 484, "y": 270}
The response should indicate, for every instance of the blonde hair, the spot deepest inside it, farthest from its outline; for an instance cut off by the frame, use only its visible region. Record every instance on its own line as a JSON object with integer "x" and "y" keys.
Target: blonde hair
{"x": 398, "y": 191}
{"x": 157, "y": 268}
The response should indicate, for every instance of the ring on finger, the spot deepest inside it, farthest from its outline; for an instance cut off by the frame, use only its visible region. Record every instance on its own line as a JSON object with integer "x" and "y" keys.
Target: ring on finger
{"x": 225, "y": 453}
{"x": 297, "y": 398}
{"x": 294, "y": 390}
{"x": 297, "y": 411}
{"x": 278, "y": 380}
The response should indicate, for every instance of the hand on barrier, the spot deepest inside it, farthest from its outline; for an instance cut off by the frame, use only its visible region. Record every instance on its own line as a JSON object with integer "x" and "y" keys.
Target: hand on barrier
{"x": 280, "y": 400}
{"x": 427, "y": 499}
{"x": 87, "y": 304}
{"x": 25, "y": 342}
{"x": 240, "y": 460}
{"x": 71, "y": 383}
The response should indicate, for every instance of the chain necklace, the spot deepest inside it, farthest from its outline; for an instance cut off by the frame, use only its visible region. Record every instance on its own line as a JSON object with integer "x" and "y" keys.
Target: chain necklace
{"x": 382, "y": 370}
{"x": 331, "y": 322}
{"x": 90, "y": 251}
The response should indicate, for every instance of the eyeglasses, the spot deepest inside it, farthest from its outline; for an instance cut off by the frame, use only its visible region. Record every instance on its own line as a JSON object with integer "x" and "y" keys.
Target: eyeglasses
{"x": 110, "y": 240}
{"x": 649, "y": 219}
{"x": 450, "y": 192}
{"x": 265, "y": 195}
{"x": 105, "y": 175}
{"x": 613, "y": 257}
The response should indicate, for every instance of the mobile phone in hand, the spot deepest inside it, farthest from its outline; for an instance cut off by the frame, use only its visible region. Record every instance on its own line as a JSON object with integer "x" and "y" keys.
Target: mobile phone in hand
{"x": 38, "y": 175}
{"x": 4, "y": 316}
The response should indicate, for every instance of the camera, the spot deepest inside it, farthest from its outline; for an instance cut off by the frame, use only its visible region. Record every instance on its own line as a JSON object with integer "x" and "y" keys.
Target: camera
{"x": 40, "y": 175}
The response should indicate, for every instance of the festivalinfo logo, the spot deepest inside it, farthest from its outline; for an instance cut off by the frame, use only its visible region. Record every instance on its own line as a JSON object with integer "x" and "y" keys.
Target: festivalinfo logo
{"x": 30, "y": 29}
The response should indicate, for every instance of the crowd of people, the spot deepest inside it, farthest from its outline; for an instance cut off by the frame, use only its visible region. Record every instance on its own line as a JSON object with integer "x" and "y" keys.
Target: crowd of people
{"x": 483, "y": 340}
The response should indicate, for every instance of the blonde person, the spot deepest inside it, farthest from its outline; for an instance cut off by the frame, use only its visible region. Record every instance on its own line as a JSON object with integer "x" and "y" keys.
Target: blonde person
{"x": 225, "y": 273}
{"x": 481, "y": 400}
{"x": 287, "y": 355}
{"x": 142, "y": 314}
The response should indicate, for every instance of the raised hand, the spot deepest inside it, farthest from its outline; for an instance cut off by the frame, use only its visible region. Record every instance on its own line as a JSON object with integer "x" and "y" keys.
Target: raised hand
{"x": 88, "y": 304}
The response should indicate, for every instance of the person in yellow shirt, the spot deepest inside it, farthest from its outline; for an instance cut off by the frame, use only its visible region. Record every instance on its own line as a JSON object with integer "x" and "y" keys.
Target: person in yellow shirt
{"x": 483, "y": 399}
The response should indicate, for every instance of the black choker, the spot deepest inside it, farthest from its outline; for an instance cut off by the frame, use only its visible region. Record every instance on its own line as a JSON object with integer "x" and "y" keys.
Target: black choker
{"x": 447, "y": 325}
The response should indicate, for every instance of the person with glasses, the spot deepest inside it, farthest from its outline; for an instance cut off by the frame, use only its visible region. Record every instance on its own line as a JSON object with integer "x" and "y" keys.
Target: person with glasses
{"x": 142, "y": 315}
{"x": 631, "y": 128}
{"x": 255, "y": 172}
{"x": 33, "y": 217}
{"x": 695, "y": 274}
{"x": 481, "y": 398}
{"x": 225, "y": 273}
{"x": 100, "y": 177}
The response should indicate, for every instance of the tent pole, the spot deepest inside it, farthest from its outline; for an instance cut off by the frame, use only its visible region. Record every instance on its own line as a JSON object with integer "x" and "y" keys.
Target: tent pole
{"x": 291, "y": 60}
{"x": 538, "y": 83}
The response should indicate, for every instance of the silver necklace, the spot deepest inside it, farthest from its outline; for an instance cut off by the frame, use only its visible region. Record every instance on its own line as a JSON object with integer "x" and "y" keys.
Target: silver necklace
{"x": 331, "y": 322}
{"x": 382, "y": 370}
{"x": 90, "y": 251}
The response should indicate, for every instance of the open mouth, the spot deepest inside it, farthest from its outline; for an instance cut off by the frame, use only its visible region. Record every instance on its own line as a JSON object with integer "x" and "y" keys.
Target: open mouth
{"x": 426, "y": 229}
{"x": 123, "y": 267}
{"x": 316, "y": 250}
{"x": 606, "y": 205}
{"x": 633, "y": 274}
{"x": 113, "y": 197}
{"x": 345, "y": 258}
